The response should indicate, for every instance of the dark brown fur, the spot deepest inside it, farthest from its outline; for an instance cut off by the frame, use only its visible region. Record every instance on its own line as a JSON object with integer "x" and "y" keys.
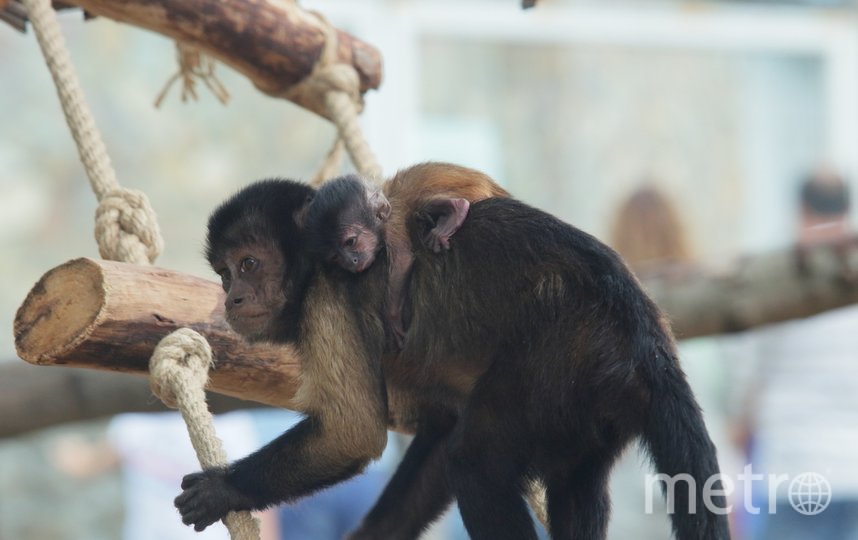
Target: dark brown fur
{"x": 410, "y": 190}
{"x": 334, "y": 326}
{"x": 533, "y": 355}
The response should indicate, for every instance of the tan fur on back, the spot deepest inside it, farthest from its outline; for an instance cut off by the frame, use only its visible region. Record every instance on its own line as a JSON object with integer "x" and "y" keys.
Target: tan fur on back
{"x": 413, "y": 187}
{"x": 340, "y": 389}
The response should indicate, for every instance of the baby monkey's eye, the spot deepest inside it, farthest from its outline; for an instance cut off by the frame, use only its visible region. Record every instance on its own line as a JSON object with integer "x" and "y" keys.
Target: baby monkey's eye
{"x": 350, "y": 242}
{"x": 248, "y": 264}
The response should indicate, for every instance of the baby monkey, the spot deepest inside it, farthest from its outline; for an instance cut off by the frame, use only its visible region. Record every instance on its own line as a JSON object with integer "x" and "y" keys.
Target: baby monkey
{"x": 345, "y": 225}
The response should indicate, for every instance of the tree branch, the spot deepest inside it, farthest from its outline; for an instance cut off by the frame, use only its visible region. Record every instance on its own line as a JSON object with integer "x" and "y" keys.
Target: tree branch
{"x": 758, "y": 290}
{"x": 110, "y": 316}
{"x": 33, "y": 398}
{"x": 274, "y": 43}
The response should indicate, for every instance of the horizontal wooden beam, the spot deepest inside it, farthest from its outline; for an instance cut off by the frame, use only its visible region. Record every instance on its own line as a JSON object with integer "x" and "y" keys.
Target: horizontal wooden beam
{"x": 33, "y": 398}
{"x": 767, "y": 288}
{"x": 110, "y": 316}
{"x": 274, "y": 43}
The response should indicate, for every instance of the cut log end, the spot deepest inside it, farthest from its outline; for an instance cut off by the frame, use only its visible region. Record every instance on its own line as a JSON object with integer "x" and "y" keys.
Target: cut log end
{"x": 110, "y": 316}
{"x": 60, "y": 311}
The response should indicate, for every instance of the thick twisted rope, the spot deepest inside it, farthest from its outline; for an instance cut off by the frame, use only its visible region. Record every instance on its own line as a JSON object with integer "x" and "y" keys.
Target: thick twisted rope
{"x": 179, "y": 371}
{"x": 126, "y": 227}
{"x": 135, "y": 218}
{"x": 337, "y": 85}
{"x": 127, "y": 230}
{"x": 331, "y": 165}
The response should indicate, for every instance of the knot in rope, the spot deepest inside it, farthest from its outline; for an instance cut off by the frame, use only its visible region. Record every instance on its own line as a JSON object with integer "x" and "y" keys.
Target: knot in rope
{"x": 181, "y": 360}
{"x": 334, "y": 87}
{"x": 126, "y": 227}
{"x": 340, "y": 78}
{"x": 178, "y": 373}
{"x": 127, "y": 230}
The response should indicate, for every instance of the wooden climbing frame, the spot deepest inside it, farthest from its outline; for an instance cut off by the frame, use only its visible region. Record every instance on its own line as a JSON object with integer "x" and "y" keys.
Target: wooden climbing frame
{"x": 111, "y": 315}
{"x": 274, "y": 43}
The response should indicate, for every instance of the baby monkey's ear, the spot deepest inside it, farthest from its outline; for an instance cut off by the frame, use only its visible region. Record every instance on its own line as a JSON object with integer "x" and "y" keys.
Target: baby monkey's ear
{"x": 380, "y": 205}
{"x": 299, "y": 216}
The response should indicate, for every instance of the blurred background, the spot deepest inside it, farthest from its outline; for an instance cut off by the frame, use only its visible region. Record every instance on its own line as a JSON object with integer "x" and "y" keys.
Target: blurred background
{"x": 683, "y": 133}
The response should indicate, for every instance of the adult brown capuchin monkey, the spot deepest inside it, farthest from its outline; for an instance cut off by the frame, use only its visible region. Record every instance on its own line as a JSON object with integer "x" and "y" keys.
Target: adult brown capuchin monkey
{"x": 532, "y": 353}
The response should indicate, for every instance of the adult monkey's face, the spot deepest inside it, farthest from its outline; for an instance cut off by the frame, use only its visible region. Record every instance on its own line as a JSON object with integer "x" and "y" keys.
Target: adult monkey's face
{"x": 254, "y": 245}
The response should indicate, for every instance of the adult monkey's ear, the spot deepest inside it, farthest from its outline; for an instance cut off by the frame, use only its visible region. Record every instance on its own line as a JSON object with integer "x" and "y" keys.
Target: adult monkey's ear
{"x": 299, "y": 216}
{"x": 380, "y": 205}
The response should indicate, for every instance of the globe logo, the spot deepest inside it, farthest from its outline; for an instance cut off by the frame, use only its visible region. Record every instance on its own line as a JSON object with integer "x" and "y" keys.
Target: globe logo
{"x": 809, "y": 493}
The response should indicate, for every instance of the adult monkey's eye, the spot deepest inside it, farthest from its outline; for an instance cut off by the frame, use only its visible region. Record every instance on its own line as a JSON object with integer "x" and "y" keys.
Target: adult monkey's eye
{"x": 350, "y": 242}
{"x": 248, "y": 264}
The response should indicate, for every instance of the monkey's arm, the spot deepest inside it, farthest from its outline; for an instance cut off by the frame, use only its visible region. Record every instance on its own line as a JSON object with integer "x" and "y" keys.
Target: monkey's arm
{"x": 448, "y": 215}
{"x": 343, "y": 391}
{"x": 307, "y": 458}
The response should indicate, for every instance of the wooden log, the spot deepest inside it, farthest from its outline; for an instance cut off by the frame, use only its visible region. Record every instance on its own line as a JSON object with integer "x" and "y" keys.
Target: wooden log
{"x": 274, "y": 43}
{"x": 33, "y": 398}
{"x": 110, "y": 316}
{"x": 762, "y": 289}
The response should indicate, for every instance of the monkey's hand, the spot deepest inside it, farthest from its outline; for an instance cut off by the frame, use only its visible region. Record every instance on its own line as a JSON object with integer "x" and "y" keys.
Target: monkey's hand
{"x": 448, "y": 215}
{"x": 207, "y": 497}
{"x": 436, "y": 241}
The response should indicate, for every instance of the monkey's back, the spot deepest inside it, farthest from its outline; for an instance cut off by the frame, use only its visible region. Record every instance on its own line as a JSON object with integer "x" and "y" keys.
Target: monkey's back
{"x": 515, "y": 269}
{"x": 415, "y": 186}
{"x": 426, "y": 181}
{"x": 521, "y": 287}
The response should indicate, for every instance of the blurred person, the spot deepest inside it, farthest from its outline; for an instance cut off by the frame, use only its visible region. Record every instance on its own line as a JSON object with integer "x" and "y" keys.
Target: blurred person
{"x": 649, "y": 233}
{"x": 797, "y": 400}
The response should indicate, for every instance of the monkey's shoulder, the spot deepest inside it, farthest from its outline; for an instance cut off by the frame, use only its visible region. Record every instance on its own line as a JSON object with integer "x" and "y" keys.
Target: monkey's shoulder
{"x": 340, "y": 299}
{"x": 513, "y": 227}
{"x": 361, "y": 292}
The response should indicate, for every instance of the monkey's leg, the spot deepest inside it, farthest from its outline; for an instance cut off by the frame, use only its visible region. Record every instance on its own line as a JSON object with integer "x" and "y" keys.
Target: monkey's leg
{"x": 489, "y": 452}
{"x": 449, "y": 215}
{"x": 416, "y": 495}
{"x": 400, "y": 267}
{"x": 303, "y": 460}
{"x": 578, "y": 503}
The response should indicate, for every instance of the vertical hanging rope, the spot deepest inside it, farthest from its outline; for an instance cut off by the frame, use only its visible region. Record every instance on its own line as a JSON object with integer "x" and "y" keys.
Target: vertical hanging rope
{"x": 127, "y": 230}
{"x": 90, "y": 146}
{"x": 338, "y": 86}
{"x": 331, "y": 165}
{"x": 179, "y": 371}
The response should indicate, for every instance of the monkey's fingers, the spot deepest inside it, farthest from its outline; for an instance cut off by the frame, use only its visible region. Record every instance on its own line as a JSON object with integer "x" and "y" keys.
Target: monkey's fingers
{"x": 193, "y": 517}
{"x": 204, "y": 522}
{"x": 198, "y": 514}
{"x": 434, "y": 241}
{"x": 201, "y": 527}
{"x": 185, "y": 498}
{"x": 192, "y": 479}
{"x": 442, "y": 243}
